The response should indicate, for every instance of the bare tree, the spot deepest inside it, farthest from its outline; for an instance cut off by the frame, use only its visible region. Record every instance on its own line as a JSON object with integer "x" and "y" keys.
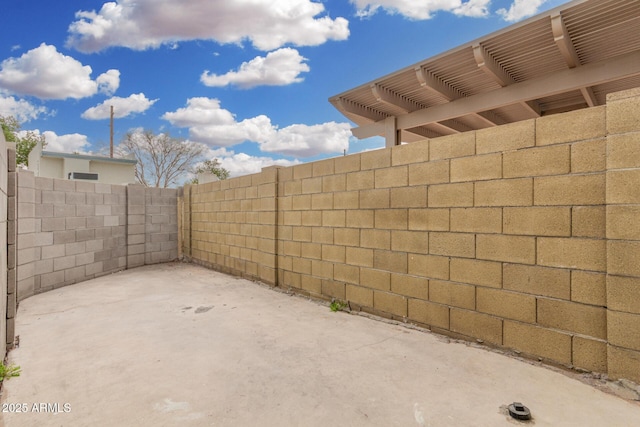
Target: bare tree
{"x": 162, "y": 160}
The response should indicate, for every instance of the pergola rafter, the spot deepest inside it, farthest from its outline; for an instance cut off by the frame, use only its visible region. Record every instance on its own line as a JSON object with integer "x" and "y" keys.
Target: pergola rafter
{"x": 536, "y": 67}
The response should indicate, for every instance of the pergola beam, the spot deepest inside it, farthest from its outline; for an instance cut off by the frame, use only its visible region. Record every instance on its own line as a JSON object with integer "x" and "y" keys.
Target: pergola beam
{"x": 490, "y": 118}
{"x": 563, "y": 41}
{"x": 589, "y": 96}
{"x": 568, "y": 50}
{"x": 456, "y": 125}
{"x": 443, "y": 128}
{"x": 493, "y": 69}
{"x": 429, "y": 81}
{"x": 359, "y": 110}
{"x": 423, "y": 132}
{"x": 382, "y": 94}
{"x": 490, "y": 66}
{"x": 533, "y": 108}
{"x": 620, "y": 67}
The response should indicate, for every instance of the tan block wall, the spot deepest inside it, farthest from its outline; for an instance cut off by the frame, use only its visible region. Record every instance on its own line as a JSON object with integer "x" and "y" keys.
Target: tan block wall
{"x": 516, "y": 235}
{"x": 230, "y": 225}
{"x": 623, "y": 238}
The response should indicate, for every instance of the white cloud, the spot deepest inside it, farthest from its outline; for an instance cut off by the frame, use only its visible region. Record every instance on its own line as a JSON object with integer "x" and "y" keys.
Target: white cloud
{"x": 200, "y": 111}
{"x": 69, "y": 143}
{"x": 244, "y": 164}
{"x": 473, "y": 8}
{"x": 306, "y": 141}
{"x": 278, "y": 68}
{"x": 520, "y": 9}
{"x": 144, "y": 24}
{"x": 21, "y": 109}
{"x": 122, "y": 107}
{"x": 256, "y": 129}
{"x": 239, "y": 164}
{"x": 210, "y": 124}
{"x": 45, "y": 73}
{"x": 422, "y": 9}
{"x": 108, "y": 82}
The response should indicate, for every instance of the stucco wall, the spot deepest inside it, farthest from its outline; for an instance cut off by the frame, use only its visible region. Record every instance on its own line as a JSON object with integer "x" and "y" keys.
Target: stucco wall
{"x": 113, "y": 173}
{"x": 108, "y": 172}
{"x": 71, "y": 231}
{"x": 55, "y": 165}
{"x": 521, "y": 236}
{"x": 51, "y": 167}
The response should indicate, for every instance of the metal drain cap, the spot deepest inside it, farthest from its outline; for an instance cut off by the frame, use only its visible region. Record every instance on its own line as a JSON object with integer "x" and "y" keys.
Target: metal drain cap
{"x": 520, "y": 412}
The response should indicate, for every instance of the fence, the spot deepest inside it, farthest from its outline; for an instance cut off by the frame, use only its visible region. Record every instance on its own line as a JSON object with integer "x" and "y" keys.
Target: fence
{"x": 62, "y": 232}
{"x": 524, "y": 236}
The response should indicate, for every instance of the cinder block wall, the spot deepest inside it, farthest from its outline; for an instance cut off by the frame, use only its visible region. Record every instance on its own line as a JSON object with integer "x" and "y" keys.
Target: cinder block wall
{"x": 161, "y": 225}
{"x": 231, "y": 225}
{"x": 71, "y": 231}
{"x": 495, "y": 235}
{"x": 12, "y": 229}
{"x": 623, "y": 234}
{"x": 152, "y": 225}
{"x": 520, "y": 236}
{"x": 5, "y": 298}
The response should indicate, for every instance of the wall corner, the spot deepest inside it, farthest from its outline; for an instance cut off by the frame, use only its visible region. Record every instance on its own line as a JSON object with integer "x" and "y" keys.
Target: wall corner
{"x": 623, "y": 234}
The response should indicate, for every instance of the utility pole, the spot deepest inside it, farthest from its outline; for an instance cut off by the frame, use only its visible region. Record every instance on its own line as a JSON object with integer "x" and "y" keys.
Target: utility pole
{"x": 111, "y": 135}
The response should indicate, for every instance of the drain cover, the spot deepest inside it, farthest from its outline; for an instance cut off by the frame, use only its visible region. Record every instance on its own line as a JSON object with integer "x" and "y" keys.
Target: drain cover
{"x": 520, "y": 412}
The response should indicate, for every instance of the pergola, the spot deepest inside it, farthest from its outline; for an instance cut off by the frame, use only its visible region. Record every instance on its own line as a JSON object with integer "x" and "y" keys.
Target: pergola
{"x": 565, "y": 59}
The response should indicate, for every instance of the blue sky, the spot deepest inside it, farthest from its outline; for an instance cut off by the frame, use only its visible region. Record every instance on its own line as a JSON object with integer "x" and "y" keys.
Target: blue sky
{"x": 250, "y": 79}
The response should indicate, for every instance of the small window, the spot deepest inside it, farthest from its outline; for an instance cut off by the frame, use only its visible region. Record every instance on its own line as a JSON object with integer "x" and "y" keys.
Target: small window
{"x": 83, "y": 175}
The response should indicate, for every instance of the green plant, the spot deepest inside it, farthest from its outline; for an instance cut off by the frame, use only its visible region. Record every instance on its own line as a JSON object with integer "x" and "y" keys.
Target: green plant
{"x": 8, "y": 371}
{"x": 213, "y": 167}
{"x": 25, "y": 143}
{"x": 337, "y": 305}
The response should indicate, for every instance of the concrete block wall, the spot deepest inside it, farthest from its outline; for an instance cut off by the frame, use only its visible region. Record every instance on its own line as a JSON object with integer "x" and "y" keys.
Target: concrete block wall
{"x": 12, "y": 238}
{"x": 7, "y": 292}
{"x": 520, "y": 236}
{"x": 70, "y": 231}
{"x": 152, "y": 225}
{"x": 230, "y": 225}
{"x": 160, "y": 225}
{"x": 136, "y": 219}
{"x": 623, "y": 234}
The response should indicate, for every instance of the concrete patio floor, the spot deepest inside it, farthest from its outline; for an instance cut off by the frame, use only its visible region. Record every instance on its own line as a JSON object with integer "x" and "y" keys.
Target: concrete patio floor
{"x": 180, "y": 345}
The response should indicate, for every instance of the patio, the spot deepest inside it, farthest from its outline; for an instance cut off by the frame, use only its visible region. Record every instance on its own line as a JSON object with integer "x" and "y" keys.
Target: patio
{"x": 178, "y": 344}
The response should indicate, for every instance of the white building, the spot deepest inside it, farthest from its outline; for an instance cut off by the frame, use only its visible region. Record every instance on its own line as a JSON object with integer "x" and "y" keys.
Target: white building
{"x": 81, "y": 167}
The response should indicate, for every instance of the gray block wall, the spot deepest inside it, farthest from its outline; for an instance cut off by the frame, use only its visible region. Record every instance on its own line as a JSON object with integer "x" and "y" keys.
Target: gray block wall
{"x": 161, "y": 225}
{"x": 7, "y": 294}
{"x": 71, "y": 231}
{"x": 152, "y": 225}
{"x": 11, "y": 247}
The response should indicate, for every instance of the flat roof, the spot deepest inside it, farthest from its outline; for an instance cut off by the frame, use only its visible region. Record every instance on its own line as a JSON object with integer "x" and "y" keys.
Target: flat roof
{"x": 87, "y": 157}
{"x": 565, "y": 59}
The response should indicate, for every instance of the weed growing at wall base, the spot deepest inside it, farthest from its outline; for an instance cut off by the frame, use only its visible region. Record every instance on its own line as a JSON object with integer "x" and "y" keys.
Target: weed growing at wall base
{"x": 337, "y": 305}
{"x": 8, "y": 371}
